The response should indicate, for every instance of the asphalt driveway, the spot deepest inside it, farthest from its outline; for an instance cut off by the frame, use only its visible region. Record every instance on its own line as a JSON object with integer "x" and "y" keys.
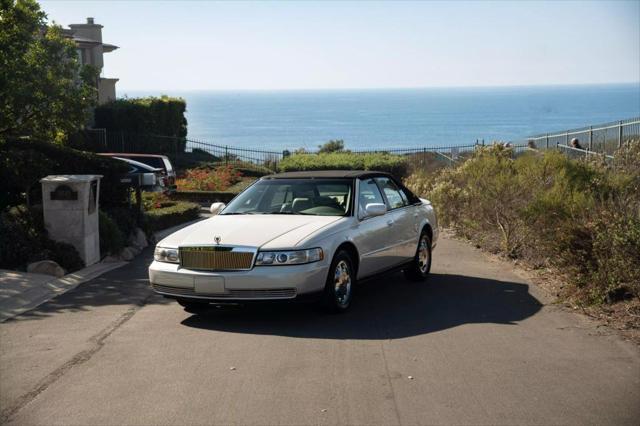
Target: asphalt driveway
{"x": 477, "y": 344}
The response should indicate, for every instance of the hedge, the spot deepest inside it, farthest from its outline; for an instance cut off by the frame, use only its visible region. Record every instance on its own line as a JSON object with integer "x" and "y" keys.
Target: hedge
{"x": 166, "y": 217}
{"x": 145, "y": 117}
{"x": 24, "y": 162}
{"x": 395, "y": 164}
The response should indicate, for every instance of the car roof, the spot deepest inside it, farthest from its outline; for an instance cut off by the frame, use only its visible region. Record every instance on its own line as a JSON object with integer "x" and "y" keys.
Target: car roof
{"x": 327, "y": 174}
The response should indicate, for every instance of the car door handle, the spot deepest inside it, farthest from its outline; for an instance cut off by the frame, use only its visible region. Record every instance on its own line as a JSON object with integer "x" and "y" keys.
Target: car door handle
{"x": 390, "y": 222}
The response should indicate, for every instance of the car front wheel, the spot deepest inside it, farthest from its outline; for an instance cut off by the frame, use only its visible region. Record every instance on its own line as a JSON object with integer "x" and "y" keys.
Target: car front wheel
{"x": 421, "y": 265}
{"x": 338, "y": 289}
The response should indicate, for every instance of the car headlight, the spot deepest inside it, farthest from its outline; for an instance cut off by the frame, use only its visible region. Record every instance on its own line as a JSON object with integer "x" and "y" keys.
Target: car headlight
{"x": 297, "y": 257}
{"x": 163, "y": 254}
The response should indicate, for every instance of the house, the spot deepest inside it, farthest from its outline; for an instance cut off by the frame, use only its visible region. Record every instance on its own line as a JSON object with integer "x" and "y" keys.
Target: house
{"x": 88, "y": 38}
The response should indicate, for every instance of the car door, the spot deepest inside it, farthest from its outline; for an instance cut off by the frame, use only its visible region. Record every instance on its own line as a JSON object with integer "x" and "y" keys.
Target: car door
{"x": 373, "y": 233}
{"x": 404, "y": 238}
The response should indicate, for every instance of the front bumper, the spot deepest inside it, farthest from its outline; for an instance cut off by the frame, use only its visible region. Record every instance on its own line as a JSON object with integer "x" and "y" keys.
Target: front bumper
{"x": 260, "y": 283}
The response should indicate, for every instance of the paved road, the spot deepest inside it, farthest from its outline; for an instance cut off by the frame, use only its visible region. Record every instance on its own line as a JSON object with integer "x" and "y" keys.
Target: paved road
{"x": 474, "y": 345}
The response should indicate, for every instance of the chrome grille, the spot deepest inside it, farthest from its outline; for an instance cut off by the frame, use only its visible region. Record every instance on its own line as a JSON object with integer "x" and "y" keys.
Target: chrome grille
{"x": 216, "y": 258}
{"x": 273, "y": 293}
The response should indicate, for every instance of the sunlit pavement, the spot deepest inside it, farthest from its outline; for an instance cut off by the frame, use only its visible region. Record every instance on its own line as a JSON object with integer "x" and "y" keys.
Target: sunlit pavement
{"x": 474, "y": 345}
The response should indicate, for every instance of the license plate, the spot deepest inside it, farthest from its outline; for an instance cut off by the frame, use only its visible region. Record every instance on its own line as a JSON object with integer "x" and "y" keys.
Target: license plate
{"x": 209, "y": 285}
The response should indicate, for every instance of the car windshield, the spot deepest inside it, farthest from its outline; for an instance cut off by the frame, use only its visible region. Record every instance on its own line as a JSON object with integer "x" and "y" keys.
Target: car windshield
{"x": 319, "y": 197}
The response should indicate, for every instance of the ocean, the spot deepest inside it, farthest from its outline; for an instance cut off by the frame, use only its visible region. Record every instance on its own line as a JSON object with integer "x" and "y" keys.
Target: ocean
{"x": 398, "y": 118}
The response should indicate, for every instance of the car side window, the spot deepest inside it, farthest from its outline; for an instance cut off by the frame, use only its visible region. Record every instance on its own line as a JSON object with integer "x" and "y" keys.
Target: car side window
{"x": 395, "y": 197}
{"x": 368, "y": 194}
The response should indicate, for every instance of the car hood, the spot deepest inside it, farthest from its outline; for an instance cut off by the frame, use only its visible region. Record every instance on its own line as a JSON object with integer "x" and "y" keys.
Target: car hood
{"x": 265, "y": 231}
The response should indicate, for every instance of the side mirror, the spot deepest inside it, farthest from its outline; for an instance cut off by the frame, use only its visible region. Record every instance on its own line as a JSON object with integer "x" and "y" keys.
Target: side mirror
{"x": 375, "y": 209}
{"x": 216, "y": 208}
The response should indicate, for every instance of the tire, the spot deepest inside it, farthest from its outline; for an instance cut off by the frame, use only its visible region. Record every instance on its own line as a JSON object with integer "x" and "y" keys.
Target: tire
{"x": 193, "y": 306}
{"x": 421, "y": 264}
{"x": 338, "y": 290}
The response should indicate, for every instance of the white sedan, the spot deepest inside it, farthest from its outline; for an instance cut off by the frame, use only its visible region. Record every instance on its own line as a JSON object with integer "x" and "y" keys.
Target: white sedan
{"x": 298, "y": 235}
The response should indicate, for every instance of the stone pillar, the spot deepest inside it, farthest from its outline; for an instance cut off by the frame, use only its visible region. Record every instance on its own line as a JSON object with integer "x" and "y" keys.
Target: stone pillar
{"x": 70, "y": 204}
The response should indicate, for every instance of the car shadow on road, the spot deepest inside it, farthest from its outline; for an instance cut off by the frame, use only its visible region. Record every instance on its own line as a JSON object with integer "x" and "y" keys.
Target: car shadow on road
{"x": 386, "y": 308}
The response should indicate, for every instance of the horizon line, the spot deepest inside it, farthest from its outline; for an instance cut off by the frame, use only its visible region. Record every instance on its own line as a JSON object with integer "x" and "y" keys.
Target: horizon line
{"x": 505, "y": 86}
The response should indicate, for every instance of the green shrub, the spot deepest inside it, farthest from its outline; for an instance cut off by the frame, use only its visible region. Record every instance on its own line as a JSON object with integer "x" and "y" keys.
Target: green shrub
{"x": 23, "y": 163}
{"x": 112, "y": 239}
{"x": 21, "y": 237}
{"x": 331, "y": 146}
{"x": 394, "y": 164}
{"x": 125, "y": 218}
{"x": 23, "y": 240}
{"x": 580, "y": 217}
{"x": 64, "y": 254}
{"x": 162, "y": 218}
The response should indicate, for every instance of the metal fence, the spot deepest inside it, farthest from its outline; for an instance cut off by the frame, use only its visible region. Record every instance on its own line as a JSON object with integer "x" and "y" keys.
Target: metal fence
{"x": 604, "y": 138}
{"x": 186, "y": 152}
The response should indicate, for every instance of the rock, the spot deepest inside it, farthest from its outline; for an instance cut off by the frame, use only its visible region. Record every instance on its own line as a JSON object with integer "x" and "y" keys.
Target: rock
{"x": 138, "y": 238}
{"x": 111, "y": 259}
{"x": 48, "y": 267}
{"x": 127, "y": 254}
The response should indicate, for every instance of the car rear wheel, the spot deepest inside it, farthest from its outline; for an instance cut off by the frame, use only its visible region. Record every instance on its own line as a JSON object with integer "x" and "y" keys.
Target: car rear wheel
{"x": 421, "y": 265}
{"x": 338, "y": 290}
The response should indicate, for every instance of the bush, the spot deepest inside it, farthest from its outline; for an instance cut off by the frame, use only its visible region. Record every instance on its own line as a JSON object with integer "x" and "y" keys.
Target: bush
{"x": 23, "y": 240}
{"x": 394, "y": 164}
{"x": 24, "y": 162}
{"x": 166, "y": 217}
{"x": 125, "y": 218}
{"x": 64, "y": 254}
{"x": 580, "y": 217}
{"x": 206, "y": 179}
{"x": 331, "y": 146}
{"x": 112, "y": 239}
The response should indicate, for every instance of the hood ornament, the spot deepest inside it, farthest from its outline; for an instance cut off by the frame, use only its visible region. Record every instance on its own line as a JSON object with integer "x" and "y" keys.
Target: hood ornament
{"x": 217, "y": 239}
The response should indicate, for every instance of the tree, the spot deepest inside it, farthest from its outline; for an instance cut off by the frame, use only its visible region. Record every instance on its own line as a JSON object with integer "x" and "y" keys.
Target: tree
{"x": 334, "y": 145}
{"x": 45, "y": 93}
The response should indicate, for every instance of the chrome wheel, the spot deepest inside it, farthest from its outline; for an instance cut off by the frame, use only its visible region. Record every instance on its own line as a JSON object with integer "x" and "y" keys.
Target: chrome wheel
{"x": 342, "y": 283}
{"x": 423, "y": 254}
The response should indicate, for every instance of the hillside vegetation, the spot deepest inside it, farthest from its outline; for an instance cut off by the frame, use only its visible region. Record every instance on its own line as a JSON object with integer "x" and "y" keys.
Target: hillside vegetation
{"x": 579, "y": 218}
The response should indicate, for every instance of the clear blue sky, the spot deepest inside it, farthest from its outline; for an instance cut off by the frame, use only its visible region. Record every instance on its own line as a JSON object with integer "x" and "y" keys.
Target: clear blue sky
{"x": 180, "y": 45}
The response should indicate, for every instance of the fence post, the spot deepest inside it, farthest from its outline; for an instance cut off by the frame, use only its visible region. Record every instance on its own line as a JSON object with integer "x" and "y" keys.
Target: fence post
{"x": 566, "y": 141}
{"x": 590, "y": 138}
{"x": 620, "y": 134}
{"x": 226, "y": 155}
{"x": 547, "y": 140}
